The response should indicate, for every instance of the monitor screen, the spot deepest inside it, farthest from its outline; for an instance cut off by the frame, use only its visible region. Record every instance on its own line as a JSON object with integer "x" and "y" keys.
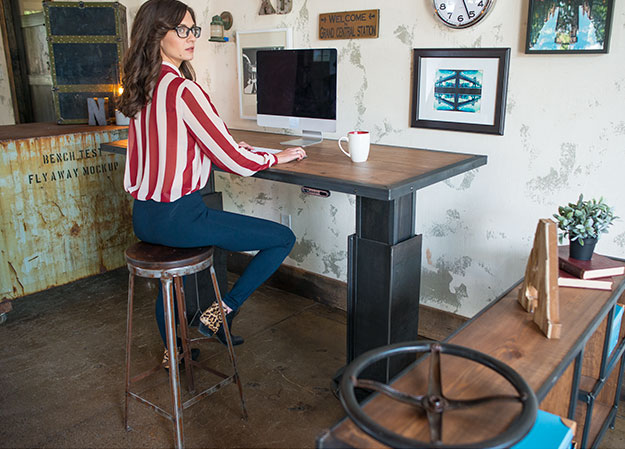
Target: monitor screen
{"x": 297, "y": 89}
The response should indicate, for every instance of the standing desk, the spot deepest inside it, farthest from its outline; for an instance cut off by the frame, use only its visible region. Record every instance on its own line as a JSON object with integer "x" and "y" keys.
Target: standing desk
{"x": 384, "y": 254}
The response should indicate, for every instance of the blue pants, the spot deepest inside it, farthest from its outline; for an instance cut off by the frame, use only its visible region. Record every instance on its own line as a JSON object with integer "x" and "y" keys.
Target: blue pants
{"x": 188, "y": 223}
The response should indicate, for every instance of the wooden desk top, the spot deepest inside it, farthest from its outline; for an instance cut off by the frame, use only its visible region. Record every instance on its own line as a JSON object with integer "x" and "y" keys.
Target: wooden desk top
{"x": 505, "y": 331}
{"x": 389, "y": 173}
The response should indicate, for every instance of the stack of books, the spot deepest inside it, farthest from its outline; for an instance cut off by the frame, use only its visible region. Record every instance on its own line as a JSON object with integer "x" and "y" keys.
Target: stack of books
{"x": 594, "y": 273}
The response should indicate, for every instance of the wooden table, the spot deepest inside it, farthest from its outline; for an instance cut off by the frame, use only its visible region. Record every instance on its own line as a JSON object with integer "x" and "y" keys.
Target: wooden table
{"x": 384, "y": 254}
{"x": 572, "y": 377}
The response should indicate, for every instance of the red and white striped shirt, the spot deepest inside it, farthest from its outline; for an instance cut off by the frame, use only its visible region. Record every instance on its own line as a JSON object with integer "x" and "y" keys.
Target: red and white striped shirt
{"x": 174, "y": 139}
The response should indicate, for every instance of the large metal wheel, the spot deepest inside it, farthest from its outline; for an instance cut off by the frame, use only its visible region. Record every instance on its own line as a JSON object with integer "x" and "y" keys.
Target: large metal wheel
{"x": 435, "y": 403}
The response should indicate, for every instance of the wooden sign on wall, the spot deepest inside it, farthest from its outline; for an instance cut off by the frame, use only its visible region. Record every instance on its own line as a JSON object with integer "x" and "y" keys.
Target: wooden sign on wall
{"x": 349, "y": 25}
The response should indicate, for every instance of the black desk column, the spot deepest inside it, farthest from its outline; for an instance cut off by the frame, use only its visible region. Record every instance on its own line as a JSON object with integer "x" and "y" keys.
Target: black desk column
{"x": 384, "y": 279}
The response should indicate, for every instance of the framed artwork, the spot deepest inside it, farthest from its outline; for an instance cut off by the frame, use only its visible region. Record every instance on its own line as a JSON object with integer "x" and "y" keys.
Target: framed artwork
{"x": 568, "y": 26}
{"x": 460, "y": 89}
{"x": 248, "y": 44}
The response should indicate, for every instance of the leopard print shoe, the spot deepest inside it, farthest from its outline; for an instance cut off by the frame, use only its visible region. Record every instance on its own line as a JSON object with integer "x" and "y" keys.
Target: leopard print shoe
{"x": 195, "y": 354}
{"x": 165, "y": 361}
{"x": 210, "y": 321}
{"x": 210, "y": 325}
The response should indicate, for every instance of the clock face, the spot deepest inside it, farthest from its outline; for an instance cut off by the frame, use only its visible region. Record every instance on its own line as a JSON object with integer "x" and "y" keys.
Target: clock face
{"x": 462, "y": 13}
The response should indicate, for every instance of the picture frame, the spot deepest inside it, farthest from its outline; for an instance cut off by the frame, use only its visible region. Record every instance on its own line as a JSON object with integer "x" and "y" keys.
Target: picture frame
{"x": 248, "y": 43}
{"x": 460, "y": 89}
{"x": 569, "y": 26}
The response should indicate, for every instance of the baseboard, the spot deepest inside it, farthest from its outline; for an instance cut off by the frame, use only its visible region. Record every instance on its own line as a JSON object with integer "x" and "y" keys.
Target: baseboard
{"x": 434, "y": 324}
{"x": 437, "y": 324}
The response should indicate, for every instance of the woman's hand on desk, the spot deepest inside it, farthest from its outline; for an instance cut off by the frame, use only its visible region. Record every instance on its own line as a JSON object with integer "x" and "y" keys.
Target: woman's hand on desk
{"x": 291, "y": 154}
{"x": 288, "y": 155}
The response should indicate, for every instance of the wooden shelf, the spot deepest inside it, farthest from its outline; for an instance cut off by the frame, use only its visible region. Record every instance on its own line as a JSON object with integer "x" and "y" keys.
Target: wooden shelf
{"x": 600, "y": 413}
{"x": 548, "y": 367}
{"x": 587, "y": 383}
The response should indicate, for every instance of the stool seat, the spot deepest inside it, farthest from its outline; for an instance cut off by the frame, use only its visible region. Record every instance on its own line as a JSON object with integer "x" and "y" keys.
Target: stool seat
{"x": 157, "y": 257}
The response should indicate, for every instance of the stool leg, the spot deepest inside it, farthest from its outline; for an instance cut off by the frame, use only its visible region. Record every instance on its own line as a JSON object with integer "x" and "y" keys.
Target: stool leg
{"x": 184, "y": 333}
{"x": 131, "y": 286}
{"x": 224, "y": 323}
{"x": 174, "y": 379}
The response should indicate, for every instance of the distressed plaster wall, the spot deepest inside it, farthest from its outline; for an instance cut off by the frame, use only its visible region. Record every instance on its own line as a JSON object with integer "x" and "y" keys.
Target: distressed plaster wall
{"x": 564, "y": 134}
{"x": 6, "y": 103}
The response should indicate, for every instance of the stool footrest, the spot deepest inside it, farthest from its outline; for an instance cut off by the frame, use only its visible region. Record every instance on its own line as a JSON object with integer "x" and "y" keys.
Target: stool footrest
{"x": 138, "y": 377}
{"x": 212, "y": 339}
{"x": 207, "y": 392}
{"x": 145, "y": 374}
{"x": 210, "y": 390}
{"x": 154, "y": 407}
{"x": 210, "y": 370}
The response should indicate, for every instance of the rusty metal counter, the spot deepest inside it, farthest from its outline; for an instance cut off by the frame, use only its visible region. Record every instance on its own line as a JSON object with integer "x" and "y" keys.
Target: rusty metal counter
{"x": 64, "y": 214}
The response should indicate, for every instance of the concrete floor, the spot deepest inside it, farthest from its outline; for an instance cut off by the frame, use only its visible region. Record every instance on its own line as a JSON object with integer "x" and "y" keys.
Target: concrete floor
{"x": 62, "y": 372}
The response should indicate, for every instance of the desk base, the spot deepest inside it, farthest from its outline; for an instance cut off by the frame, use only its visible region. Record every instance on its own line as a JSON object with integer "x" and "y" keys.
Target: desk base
{"x": 383, "y": 301}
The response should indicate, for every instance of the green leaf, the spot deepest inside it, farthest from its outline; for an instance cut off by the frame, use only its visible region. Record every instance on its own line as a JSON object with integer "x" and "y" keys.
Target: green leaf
{"x": 585, "y": 219}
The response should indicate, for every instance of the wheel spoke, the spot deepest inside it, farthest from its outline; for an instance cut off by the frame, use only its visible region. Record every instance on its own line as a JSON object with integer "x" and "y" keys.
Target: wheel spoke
{"x": 435, "y": 387}
{"x": 436, "y": 426}
{"x": 466, "y": 403}
{"x": 416, "y": 401}
{"x": 433, "y": 404}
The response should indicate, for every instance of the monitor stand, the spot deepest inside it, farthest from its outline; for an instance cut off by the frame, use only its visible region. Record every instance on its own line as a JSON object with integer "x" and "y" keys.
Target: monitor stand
{"x": 308, "y": 138}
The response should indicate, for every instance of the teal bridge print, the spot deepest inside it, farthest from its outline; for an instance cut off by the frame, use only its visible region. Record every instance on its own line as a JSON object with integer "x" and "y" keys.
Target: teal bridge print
{"x": 458, "y": 90}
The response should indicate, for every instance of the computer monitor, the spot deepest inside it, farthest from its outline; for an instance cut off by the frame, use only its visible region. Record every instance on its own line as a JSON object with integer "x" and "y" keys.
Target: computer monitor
{"x": 296, "y": 89}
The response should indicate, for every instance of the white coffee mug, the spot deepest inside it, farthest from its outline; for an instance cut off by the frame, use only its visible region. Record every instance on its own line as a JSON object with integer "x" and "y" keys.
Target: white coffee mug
{"x": 358, "y": 145}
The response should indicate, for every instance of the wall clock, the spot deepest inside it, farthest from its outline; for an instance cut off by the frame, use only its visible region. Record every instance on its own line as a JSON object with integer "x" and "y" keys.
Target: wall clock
{"x": 462, "y": 13}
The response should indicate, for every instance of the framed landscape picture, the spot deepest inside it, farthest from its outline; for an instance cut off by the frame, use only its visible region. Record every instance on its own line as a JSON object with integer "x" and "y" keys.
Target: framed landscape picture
{"x": 460, "y": 89}
{"x": 248, "y": 44}
{"x": 568, "y": 26}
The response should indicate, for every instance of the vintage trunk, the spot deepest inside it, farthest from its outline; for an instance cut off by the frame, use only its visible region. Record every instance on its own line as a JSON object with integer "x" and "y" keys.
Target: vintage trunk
{"x": 64, "y": 214}
{"x": 87, "y": 41}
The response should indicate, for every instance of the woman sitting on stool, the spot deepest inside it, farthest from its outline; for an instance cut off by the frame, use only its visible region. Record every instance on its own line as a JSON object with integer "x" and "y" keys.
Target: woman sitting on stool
{"x": 174, "y": 137}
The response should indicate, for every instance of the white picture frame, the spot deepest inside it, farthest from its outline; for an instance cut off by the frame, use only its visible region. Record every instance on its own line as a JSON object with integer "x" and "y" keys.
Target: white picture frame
{"x": 429, "y": 71}
{"x": 248, "y": 43}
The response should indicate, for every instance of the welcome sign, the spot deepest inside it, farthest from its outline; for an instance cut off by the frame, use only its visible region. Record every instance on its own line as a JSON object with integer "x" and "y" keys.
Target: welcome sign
{"x": 349, "y": 25}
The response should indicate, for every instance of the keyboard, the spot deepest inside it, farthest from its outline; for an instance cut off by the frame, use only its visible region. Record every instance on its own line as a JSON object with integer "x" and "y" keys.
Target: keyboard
{"x": 266, "y": 150}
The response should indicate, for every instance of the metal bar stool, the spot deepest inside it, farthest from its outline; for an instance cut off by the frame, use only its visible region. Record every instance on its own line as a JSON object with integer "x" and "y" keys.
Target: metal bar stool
{"x": 169, "y": 265}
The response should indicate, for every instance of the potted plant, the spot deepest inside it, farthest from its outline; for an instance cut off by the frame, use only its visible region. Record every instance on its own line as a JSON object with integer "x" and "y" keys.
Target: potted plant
{"x": 583, "y": 222}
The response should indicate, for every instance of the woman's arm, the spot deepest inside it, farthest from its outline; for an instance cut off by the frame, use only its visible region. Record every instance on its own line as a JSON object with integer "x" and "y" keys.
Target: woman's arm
{"x": 288, "y": 155}
{"x": 212, "y": 136}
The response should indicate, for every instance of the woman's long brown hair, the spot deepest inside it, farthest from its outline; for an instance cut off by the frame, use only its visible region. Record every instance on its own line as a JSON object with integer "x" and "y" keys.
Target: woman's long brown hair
{"x": 142, "y": 62}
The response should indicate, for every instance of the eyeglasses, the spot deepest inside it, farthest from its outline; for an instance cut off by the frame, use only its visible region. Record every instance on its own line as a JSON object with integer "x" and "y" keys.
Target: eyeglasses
{"x": 183, "y": 31}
